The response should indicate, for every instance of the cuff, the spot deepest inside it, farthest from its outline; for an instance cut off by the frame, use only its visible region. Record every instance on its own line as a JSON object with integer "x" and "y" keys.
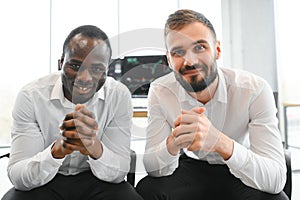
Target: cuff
{"x": 105, "y": 158}
{"x": 238, "y": 158}
{"x": 53, "y": 161}
{"x": 165, "y": 157}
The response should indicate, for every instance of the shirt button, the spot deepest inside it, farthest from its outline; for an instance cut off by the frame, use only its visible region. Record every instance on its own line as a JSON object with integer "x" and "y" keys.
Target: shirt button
{"x": 193, "y": 102}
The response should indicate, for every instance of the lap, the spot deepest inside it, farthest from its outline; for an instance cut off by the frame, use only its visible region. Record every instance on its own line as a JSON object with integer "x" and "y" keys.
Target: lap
{"x": 82, "y": 186}
{"x": 195, "y": 179}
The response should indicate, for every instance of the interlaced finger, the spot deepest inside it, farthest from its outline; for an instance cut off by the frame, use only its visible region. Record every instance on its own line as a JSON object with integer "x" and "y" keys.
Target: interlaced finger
{"x": 190, "y": 118}
{"x": 70, "y": 133}
{"x": 185, "y": 129}
{"x": 85, "y": 111}
{"x": 184, "y": 140}
{"x": 71, "y": 145}
{"x": 87, "y": 119}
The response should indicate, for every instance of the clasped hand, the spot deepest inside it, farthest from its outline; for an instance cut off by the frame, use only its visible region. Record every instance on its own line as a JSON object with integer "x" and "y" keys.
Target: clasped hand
{"x": 194, "y": 131}
{"x": 79, "y": 133}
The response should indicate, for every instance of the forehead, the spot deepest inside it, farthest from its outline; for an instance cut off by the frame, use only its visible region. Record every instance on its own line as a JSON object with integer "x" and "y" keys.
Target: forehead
{"x": 188, "y": 35}
{"x": 83, "y": 46}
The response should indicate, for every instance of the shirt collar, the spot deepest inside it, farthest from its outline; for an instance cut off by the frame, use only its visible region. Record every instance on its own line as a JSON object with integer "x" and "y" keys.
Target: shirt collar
{"x": 57, "y": 91}
{"x": 101, "y": 93}
{"x": 221, "y": 93}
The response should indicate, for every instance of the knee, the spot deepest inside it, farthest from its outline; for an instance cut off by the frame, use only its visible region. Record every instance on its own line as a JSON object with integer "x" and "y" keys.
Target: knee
{"x": 12, "y": 194}
{"x": 130, "y": 194}
{"x": 142, "y": 186}
{"x": 150, "y": 188}
{"x": 282, "y": 196}
{"x": 125, "y": 191}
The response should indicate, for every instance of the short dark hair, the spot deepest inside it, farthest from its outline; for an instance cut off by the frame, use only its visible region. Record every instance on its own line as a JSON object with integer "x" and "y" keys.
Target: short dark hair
{"x": 89, "y": 31}
{"x": 180, "y": 18}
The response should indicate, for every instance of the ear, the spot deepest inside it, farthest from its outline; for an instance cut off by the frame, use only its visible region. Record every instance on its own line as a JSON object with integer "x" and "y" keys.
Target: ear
{"x": 60, "y": 63}
{"x": 218, "y": 50}
{"x": 168, "y": 59}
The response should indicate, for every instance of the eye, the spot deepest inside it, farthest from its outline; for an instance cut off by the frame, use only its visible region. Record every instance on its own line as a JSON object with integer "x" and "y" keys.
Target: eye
{"x": 98, "y": 69}
{"x": 75, "y": 67}
{"x": 199, "y": 48}
{"x": 178, "y": 53}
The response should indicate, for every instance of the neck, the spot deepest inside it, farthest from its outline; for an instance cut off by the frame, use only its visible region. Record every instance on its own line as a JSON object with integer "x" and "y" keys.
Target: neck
{"x": 207, "y": 94}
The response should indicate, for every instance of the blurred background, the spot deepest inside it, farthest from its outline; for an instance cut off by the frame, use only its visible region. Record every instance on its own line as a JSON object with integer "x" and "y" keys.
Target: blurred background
{"x": 258, "y": 36}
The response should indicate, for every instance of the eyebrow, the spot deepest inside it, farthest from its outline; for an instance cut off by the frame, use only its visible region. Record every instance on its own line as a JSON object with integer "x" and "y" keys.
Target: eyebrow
{"x": 200, "y": 42}
{"x": 98, "y": 65}
{"x": 74, "y": 61}
{"x": 196, "y": 42}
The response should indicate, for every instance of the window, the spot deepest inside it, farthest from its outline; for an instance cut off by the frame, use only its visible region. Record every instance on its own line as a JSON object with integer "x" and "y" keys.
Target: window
{"x": 69, "y": 14}
{"x": 25, "y": 51}
{"x": 33, "y": 33}
{"x": 287, "y": 49}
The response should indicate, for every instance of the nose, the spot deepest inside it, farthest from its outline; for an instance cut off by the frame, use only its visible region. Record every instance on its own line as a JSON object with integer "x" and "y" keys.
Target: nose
{"x": 190, "y": 58}
{"x": 84, "y": 75}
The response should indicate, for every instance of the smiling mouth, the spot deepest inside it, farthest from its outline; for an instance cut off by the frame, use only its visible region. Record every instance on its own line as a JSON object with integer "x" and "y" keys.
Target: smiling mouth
{"x": 192, "y": 72}
{"x": 82, "y": 89}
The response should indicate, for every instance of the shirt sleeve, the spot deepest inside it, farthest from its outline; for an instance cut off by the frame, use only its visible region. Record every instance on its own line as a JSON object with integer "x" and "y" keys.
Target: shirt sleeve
{"x": 31, "y": 164}
{"x": 114, "y": 163}
{"x": 262, "y": 166}
{"x": 157, "y": 160}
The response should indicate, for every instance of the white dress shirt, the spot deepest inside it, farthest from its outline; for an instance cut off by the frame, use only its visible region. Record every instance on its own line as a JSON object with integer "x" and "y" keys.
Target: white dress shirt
{"x": 243, "y": 108}
{"x": 39, "y": 110}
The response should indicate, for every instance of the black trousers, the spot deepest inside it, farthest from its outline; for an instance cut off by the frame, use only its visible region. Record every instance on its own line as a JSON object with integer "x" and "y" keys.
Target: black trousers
{"x": 194, "y": 179}
{"x": 81, "y": 186}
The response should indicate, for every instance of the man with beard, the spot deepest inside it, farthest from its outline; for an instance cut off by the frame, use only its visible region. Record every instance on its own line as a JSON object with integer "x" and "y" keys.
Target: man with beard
{"x": 212, "y": 131}
{"x": 71, "y": 129}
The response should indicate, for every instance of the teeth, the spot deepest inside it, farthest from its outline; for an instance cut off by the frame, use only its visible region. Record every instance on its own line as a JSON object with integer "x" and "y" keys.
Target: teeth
{"x": 83, "y": 88}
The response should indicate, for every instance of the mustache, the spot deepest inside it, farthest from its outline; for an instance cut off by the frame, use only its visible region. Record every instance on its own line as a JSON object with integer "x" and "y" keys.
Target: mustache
{"x": 83, "y": 84}
{"x": 193, "y": 67}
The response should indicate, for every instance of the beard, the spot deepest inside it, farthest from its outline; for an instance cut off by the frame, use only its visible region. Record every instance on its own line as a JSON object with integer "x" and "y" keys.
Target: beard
{"x": 196, "y": 85}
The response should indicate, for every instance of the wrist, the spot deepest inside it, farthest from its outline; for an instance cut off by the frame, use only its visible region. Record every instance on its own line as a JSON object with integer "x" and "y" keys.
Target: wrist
{"x": 172, "y": 148}
{"x": 225, "y": 147}
{"x": 56, "y": 155}
{"x": 56, "y": 152}
{"x": 98, "y": 153}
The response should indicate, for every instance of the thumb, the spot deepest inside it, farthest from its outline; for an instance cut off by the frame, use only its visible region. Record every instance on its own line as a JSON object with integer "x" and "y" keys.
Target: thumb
{"x": 201, "y": 110}
{"x": 79, "y": 106}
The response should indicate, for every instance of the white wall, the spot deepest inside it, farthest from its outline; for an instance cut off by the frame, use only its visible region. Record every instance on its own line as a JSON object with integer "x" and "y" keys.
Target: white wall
{"x": 249, "y": 37}
{"x": 25, "y": 52}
